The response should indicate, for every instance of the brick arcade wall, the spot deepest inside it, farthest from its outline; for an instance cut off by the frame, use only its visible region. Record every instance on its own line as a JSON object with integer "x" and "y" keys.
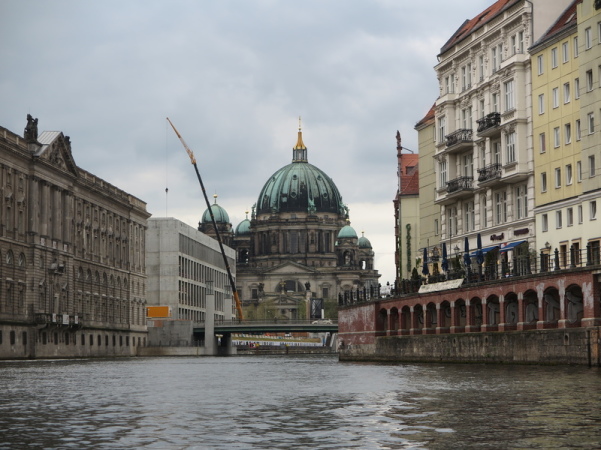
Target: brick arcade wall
{"x": 364, "y": 335}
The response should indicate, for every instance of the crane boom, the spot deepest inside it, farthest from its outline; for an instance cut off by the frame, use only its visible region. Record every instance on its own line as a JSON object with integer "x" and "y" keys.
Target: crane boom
{"x": 204, "y": 193}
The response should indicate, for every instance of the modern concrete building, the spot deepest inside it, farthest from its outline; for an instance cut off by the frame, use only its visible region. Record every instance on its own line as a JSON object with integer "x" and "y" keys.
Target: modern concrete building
{"x": 183, "y": 265}
{"x": 72, "y": 254}
{"x": 484, "y": 162}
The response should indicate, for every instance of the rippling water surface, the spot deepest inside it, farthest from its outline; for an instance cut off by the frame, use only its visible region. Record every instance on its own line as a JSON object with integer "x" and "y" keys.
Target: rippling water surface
{"x": 295, "y": 402}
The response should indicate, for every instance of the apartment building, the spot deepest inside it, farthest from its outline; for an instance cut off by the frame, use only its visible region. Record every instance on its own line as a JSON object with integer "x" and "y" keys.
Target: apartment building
{"x": 484, "y": 146}
{"x": 557, "y": 132}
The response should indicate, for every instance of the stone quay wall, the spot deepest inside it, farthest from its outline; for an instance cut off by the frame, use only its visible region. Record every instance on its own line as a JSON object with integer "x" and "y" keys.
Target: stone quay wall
{"x": 579, "y": 346}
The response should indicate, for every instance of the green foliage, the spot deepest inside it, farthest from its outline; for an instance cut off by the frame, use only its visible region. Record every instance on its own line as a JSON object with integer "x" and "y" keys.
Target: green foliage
{"x": 414, "y": 274}
{"x": 330, "y": 307}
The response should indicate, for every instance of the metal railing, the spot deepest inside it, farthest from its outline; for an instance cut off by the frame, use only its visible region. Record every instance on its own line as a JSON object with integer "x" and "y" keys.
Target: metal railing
{"x": 267, "y": 322}
{"x": 462, "y": 135}
{"x": 489, "y": 121}
{"x": 490, "y": 172}
{"x": 459, "y": 184}
{"x": 503, "y": 268}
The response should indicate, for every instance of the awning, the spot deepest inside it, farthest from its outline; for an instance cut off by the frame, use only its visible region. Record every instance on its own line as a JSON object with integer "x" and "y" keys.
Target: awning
{"x": 485, "y": 250}
{"x": 511, "y": 246}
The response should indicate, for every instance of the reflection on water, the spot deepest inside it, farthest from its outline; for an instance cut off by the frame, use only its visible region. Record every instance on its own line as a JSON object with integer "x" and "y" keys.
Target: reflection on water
{"x": 295, "y": 402}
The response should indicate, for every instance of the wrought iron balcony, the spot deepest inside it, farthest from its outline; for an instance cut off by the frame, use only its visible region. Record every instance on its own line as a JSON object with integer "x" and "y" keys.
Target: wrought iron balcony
{"x": 489, "y": 122}
{"x": 461, "y": 136}
{"x": 490, "y": 172}
{"x": 459, "y": 184}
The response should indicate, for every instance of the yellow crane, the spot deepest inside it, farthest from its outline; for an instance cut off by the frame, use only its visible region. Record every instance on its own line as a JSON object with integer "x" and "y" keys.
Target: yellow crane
{"x": 204, "y": 193}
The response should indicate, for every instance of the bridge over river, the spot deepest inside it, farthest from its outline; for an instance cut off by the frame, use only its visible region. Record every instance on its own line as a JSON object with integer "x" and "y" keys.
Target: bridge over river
{"x": 269, "y": 326}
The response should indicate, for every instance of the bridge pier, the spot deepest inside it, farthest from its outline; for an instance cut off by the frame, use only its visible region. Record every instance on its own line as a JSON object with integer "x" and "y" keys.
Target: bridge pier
{"x": 225, "y": 347}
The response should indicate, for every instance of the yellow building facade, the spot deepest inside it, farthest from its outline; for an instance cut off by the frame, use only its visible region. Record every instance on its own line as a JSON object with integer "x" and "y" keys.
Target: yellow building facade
{"x": 557, "y": 133}
{"x": 566, "y": 93}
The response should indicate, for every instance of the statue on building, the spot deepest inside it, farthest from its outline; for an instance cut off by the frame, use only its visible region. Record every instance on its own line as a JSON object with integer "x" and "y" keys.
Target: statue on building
{"x": 31, "y": 130}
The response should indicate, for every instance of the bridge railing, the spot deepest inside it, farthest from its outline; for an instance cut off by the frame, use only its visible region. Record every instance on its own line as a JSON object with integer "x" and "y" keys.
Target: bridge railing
{"x": 282, "y": 322}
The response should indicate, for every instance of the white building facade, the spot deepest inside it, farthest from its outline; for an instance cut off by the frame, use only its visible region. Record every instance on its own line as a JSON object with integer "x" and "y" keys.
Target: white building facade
{"x": 483, "y": 159}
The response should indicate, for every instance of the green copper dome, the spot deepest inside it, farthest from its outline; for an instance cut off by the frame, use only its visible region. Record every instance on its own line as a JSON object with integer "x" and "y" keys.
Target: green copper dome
{"x": 347, "y": 232}
{"x": 364, "y": 242}
{"x": 300, "y": 187}
{"x": 219, "y": 213}
{"x": 243, "y": 228}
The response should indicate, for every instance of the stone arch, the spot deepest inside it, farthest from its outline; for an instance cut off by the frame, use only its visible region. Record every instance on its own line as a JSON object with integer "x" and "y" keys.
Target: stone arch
{"x": 475, "y": 315}
{"x": 381, "y": 321}
{"x": 394, "y": 321}
{"x": 551, "y": 307}
{"x": 511, "y": 309}
{"x": 405, "y": 320}
{"x": 530, "y": 306}
{"x": 418, "y": 318}
{"x": 574, "y": 305}
{"x": 459, "y": 315}
{"x": 431, "y": 316}
{"x": 445, "y": 316}
{"x": 493, "y": 312}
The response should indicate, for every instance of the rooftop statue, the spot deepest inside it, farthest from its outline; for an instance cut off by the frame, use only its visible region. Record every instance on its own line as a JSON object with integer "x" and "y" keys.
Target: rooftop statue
{"x": 31, "y": 130}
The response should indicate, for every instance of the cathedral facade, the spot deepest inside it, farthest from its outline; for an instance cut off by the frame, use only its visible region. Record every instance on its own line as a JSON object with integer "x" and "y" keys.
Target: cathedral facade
{"x": 298, "y": 249}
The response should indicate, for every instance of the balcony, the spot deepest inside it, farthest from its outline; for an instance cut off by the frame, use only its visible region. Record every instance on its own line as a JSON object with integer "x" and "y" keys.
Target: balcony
{"x": 454, "y": 190}
{"x": 489, "y": 125}
{"x": 489, "y": 174}
{"x": 458, "y": 140}
{"x": 459, "y": 184}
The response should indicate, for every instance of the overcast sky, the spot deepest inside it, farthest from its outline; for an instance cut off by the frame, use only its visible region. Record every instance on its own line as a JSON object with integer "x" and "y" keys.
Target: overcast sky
{"x": 233, "y": 76}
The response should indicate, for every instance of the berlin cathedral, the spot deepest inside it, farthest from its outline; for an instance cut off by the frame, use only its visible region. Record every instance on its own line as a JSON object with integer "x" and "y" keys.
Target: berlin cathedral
{"x": 298, "y": 252}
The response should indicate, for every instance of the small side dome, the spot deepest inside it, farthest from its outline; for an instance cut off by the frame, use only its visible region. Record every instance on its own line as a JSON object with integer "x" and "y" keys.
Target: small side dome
{"x": 220, "y": 214}
{"x": 363, "y": 241}
{"x": 243, "y": 228}
{"x": 347, "y": 232}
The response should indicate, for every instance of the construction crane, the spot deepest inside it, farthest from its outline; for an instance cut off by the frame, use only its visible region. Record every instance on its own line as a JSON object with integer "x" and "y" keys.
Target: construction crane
{"x": 204, "y": 193}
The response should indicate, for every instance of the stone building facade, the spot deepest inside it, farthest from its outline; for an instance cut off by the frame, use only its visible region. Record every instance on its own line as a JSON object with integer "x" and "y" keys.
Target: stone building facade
{"x": 484, "y": 162}
{"x": 72, "y": 262}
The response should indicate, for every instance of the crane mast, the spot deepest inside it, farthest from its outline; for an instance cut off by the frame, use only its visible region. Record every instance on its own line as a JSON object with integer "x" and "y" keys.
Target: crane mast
{"x": 204, "y": 193}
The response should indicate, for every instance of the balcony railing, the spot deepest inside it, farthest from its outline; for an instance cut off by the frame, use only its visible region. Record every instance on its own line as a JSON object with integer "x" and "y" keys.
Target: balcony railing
{"x": 489, "y": 121}
{"x": 461, "y": 136}
{"x": 490, "y": 172}
{"x": 459, "y": 184}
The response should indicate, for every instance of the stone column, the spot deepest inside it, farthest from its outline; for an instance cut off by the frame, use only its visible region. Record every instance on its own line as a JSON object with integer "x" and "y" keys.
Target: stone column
{"x": 440, "y": 315}
{"x": 210, "y": 341}
{"x": 412, "y": 320}
{"x": 592, "y": 308}
{"x": 455, "y": 328}
{"x": 563, "y": 320}
{"x": 469, "y": 316}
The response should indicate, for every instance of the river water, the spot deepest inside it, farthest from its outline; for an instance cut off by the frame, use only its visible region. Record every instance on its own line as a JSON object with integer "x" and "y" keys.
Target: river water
{"x": 284, "y": 402}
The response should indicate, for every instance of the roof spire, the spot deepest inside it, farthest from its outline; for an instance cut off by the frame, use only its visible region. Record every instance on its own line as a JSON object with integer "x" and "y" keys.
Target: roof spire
{"x": 299, "y": 152}
{"x": 215, "y": 197}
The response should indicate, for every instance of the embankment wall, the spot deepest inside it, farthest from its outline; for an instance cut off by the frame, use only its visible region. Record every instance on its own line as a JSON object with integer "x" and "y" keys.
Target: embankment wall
{"x": 556, "y": 346}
